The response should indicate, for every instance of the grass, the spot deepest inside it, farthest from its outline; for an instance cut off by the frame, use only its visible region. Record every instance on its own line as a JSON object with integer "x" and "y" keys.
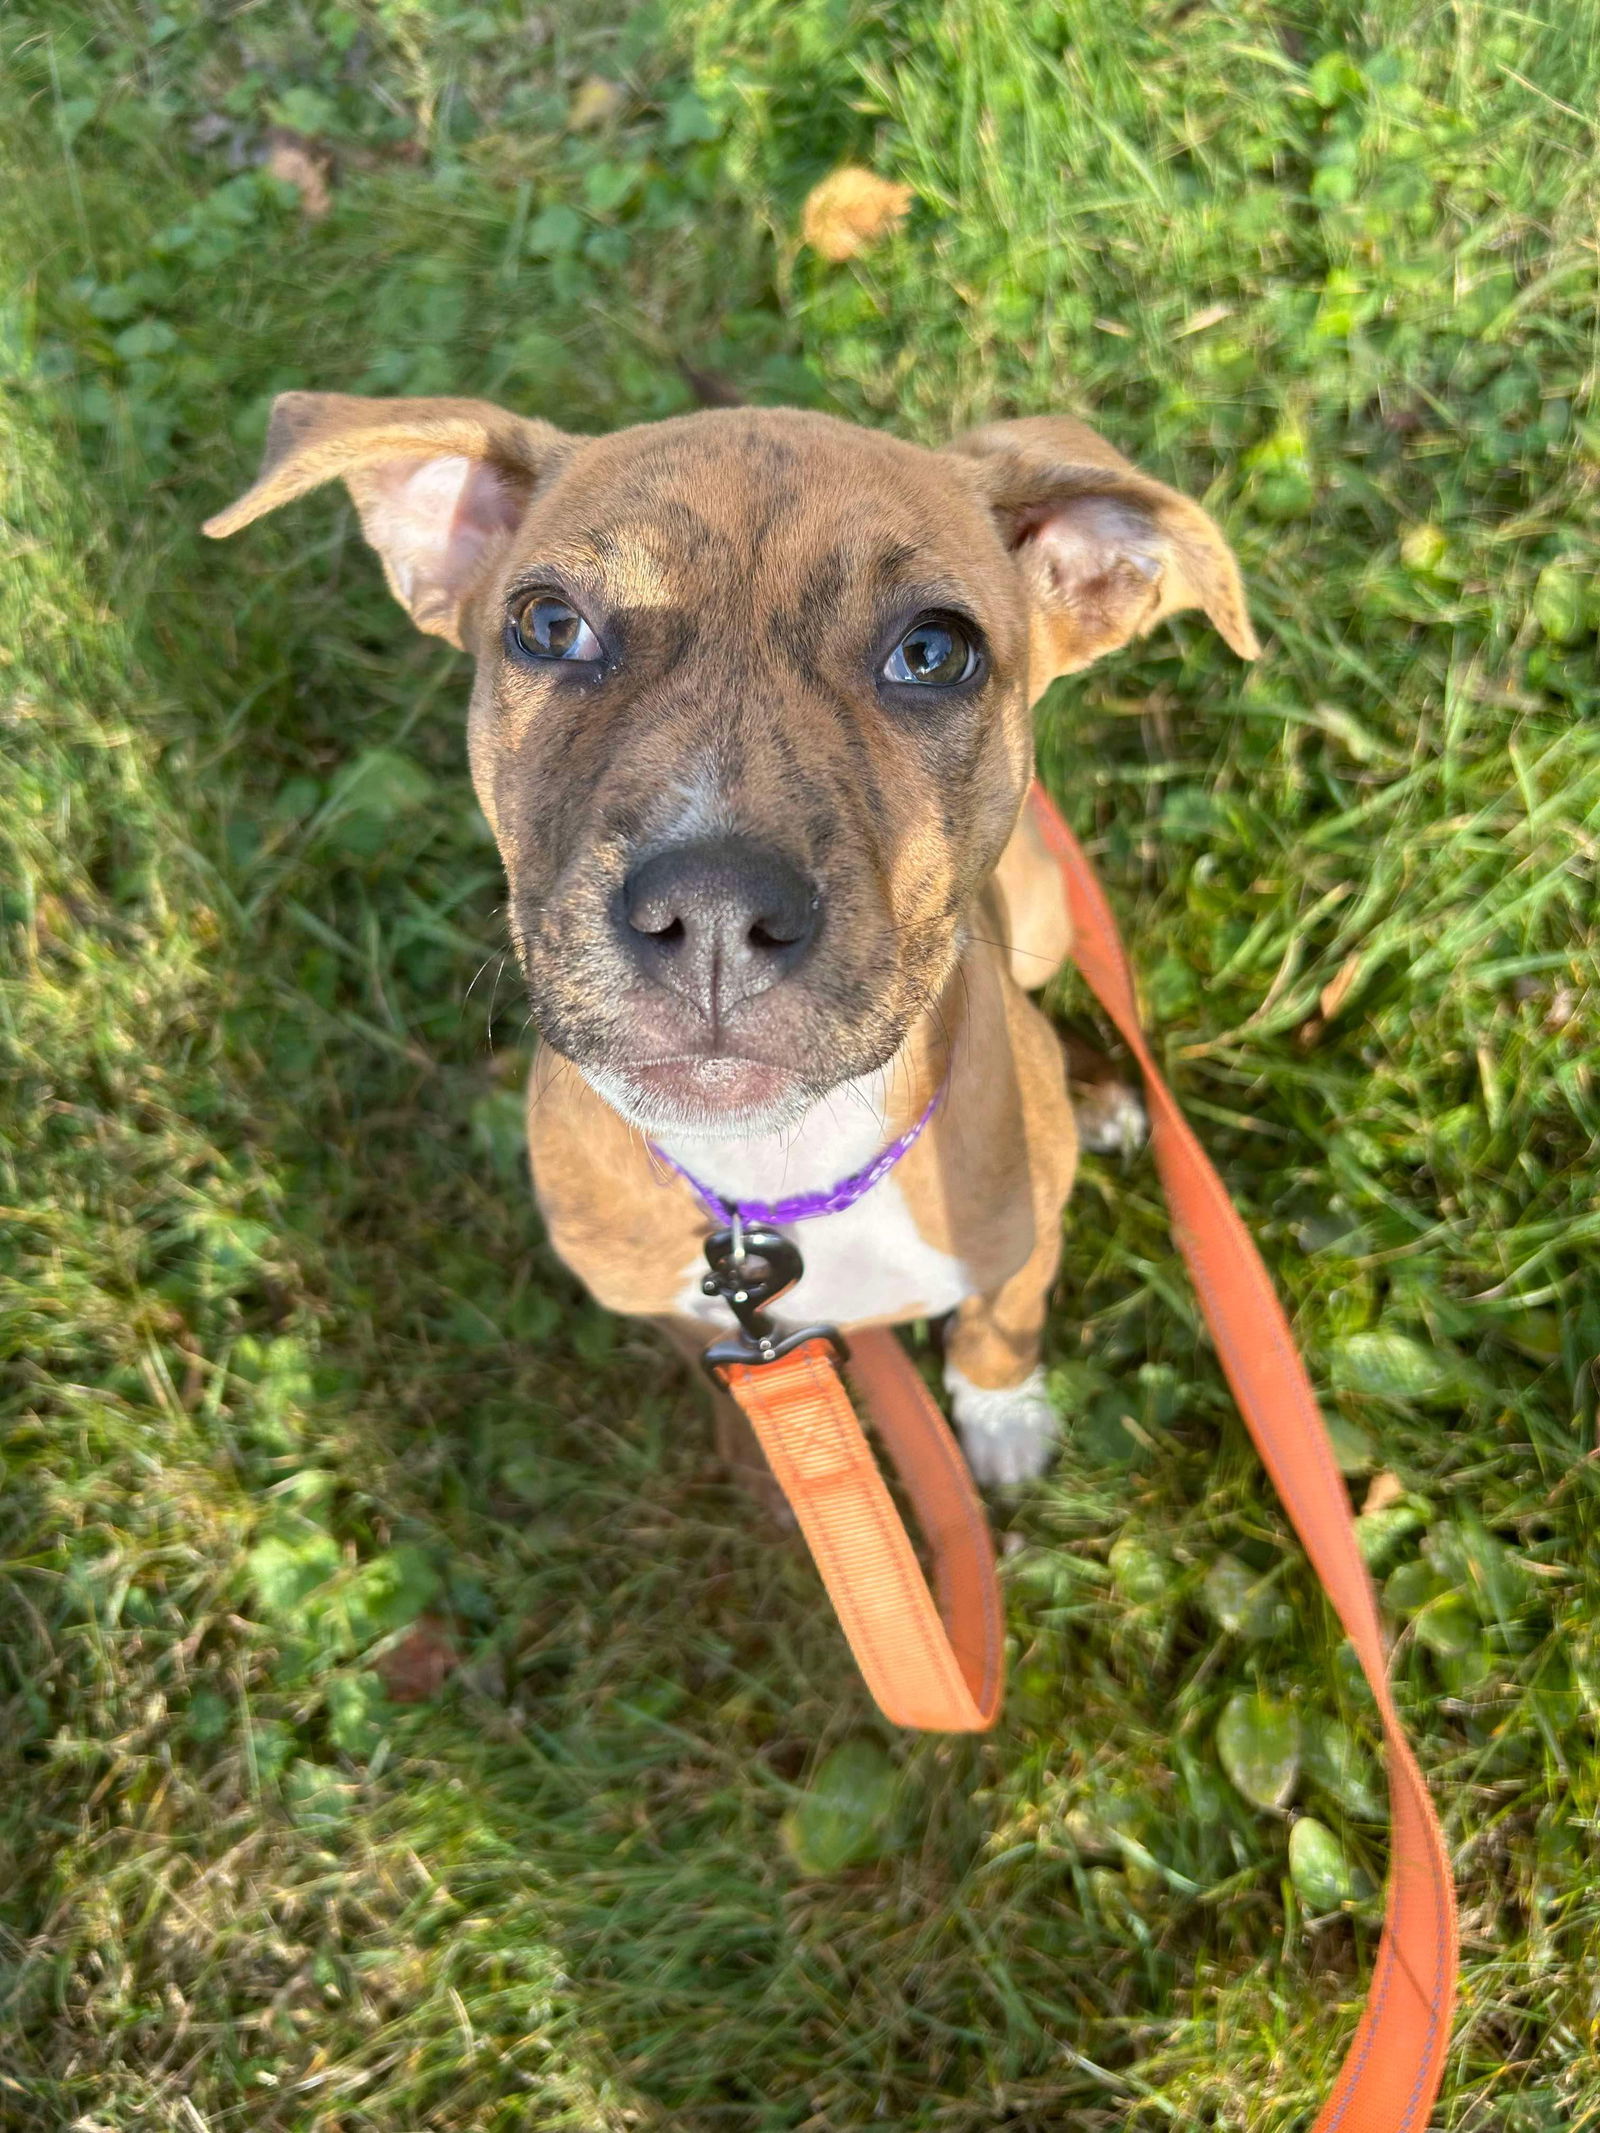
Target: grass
{"x": 404, "y": 1726}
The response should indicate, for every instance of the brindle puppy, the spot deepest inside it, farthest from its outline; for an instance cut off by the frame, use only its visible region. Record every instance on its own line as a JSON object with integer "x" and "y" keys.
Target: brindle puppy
{"x": 751, "y": 727}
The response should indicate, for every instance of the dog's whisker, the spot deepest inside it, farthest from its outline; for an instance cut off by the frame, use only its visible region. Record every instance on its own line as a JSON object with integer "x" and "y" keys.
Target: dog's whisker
{"x": 497, "y": 956}
{"x": 1034, "y": 955}
{"x": 494, "y": 995}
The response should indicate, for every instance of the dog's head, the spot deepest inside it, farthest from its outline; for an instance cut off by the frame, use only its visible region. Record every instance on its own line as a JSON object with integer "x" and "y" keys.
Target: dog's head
{"x": 751, "y": 717}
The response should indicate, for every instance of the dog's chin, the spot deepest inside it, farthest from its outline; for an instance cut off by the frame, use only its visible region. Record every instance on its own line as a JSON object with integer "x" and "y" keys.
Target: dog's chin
{"x": 704, "y": 1099}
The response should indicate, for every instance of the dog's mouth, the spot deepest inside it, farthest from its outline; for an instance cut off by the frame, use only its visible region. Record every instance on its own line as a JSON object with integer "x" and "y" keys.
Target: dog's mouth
{"x": 706, "y": 1095}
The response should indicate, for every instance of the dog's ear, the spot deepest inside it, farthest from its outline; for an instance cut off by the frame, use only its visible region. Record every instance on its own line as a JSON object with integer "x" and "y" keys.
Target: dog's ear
{"x": 439, "y": 484}
{"x": 1105, "y": 551}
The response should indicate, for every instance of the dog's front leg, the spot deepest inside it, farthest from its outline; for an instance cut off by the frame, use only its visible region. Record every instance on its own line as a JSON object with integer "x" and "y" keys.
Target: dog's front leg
{"x": 997, "y": 1389}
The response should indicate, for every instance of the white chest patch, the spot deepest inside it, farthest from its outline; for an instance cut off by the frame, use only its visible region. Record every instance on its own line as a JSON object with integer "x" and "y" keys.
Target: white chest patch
{"x": 868, "y": 1262}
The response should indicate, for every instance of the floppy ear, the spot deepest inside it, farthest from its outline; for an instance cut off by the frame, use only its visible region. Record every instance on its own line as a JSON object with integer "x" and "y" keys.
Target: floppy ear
{"x": 1106, "y": 551}
{"x": 439, "y": 484}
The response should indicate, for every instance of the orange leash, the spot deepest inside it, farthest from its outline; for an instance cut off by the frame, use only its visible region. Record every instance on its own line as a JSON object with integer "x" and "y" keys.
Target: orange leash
{"x": 938, "y": 1666}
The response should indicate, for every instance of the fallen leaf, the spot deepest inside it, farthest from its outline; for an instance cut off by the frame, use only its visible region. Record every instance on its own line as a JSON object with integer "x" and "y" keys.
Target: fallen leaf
{"x": 1334, "y": 994}
{"x": 595, "y": 102}
{"x": 418, "y": 1665}
{"x": 1212, "y": 315}
{"x": 1383, "y": 1490}
{"x": 850, "y": 210}
{"x": 298, "y": 162}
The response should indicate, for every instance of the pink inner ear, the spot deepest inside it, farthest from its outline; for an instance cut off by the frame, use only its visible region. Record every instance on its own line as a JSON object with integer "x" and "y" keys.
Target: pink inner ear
{"x": 433, "y": 519}
{"x": 1085, "y": 539}
{"x": 1095, "y": 565}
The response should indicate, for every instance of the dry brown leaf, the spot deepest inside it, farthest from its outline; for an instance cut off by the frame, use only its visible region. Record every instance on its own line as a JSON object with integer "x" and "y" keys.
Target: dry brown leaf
{"x": 595, "y": 102}
{"x": 1383, "y": 1490}
{"x": 1337, "y": 990}
{"x": 850, "y": 210}
{"x": 417, "y": 1667}
{"x": 1198, "y": 321}
{"x": 300, "y": 163}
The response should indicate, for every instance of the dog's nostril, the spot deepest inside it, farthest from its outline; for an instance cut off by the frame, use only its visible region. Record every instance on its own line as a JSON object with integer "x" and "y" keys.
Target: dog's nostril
{"x": 770, "y": 933}
{"x": 668, "y": 936}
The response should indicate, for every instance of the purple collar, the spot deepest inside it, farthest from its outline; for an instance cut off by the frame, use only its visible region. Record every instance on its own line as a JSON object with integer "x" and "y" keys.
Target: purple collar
{"x": 801, "y": 1206}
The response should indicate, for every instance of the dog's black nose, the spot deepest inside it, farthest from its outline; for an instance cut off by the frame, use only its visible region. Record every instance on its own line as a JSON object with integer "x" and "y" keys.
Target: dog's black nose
{"x": 718, "y": 920}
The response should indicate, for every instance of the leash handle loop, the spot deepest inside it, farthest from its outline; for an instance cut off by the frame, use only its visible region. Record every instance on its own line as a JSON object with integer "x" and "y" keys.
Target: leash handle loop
{"x": 1392, "y": 2073}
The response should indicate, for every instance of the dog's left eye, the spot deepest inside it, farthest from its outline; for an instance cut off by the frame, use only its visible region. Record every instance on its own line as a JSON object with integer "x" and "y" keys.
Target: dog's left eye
{"x": 546, "y": 627}
{"x": 936, "y": 651}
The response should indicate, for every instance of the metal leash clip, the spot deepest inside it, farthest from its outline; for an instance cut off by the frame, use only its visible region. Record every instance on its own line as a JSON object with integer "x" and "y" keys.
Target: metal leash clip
{"x": 751, "y": 1266}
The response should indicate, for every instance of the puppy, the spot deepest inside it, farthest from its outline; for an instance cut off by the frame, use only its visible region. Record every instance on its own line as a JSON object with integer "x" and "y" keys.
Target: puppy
{"x": 751, "y": 726}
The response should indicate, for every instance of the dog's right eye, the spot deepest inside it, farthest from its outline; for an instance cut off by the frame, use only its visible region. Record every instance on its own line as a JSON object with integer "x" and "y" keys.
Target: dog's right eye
{"x": 546, "y": 627}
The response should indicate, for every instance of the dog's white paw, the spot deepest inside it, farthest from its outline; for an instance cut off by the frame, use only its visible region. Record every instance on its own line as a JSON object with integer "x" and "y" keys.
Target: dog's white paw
{"x": 1111, "y": 1117}
{"x": 1007, "y": 1435}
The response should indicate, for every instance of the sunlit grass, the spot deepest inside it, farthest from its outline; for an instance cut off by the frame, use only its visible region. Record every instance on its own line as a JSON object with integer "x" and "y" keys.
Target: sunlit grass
{"x": 288, "y": 1370}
